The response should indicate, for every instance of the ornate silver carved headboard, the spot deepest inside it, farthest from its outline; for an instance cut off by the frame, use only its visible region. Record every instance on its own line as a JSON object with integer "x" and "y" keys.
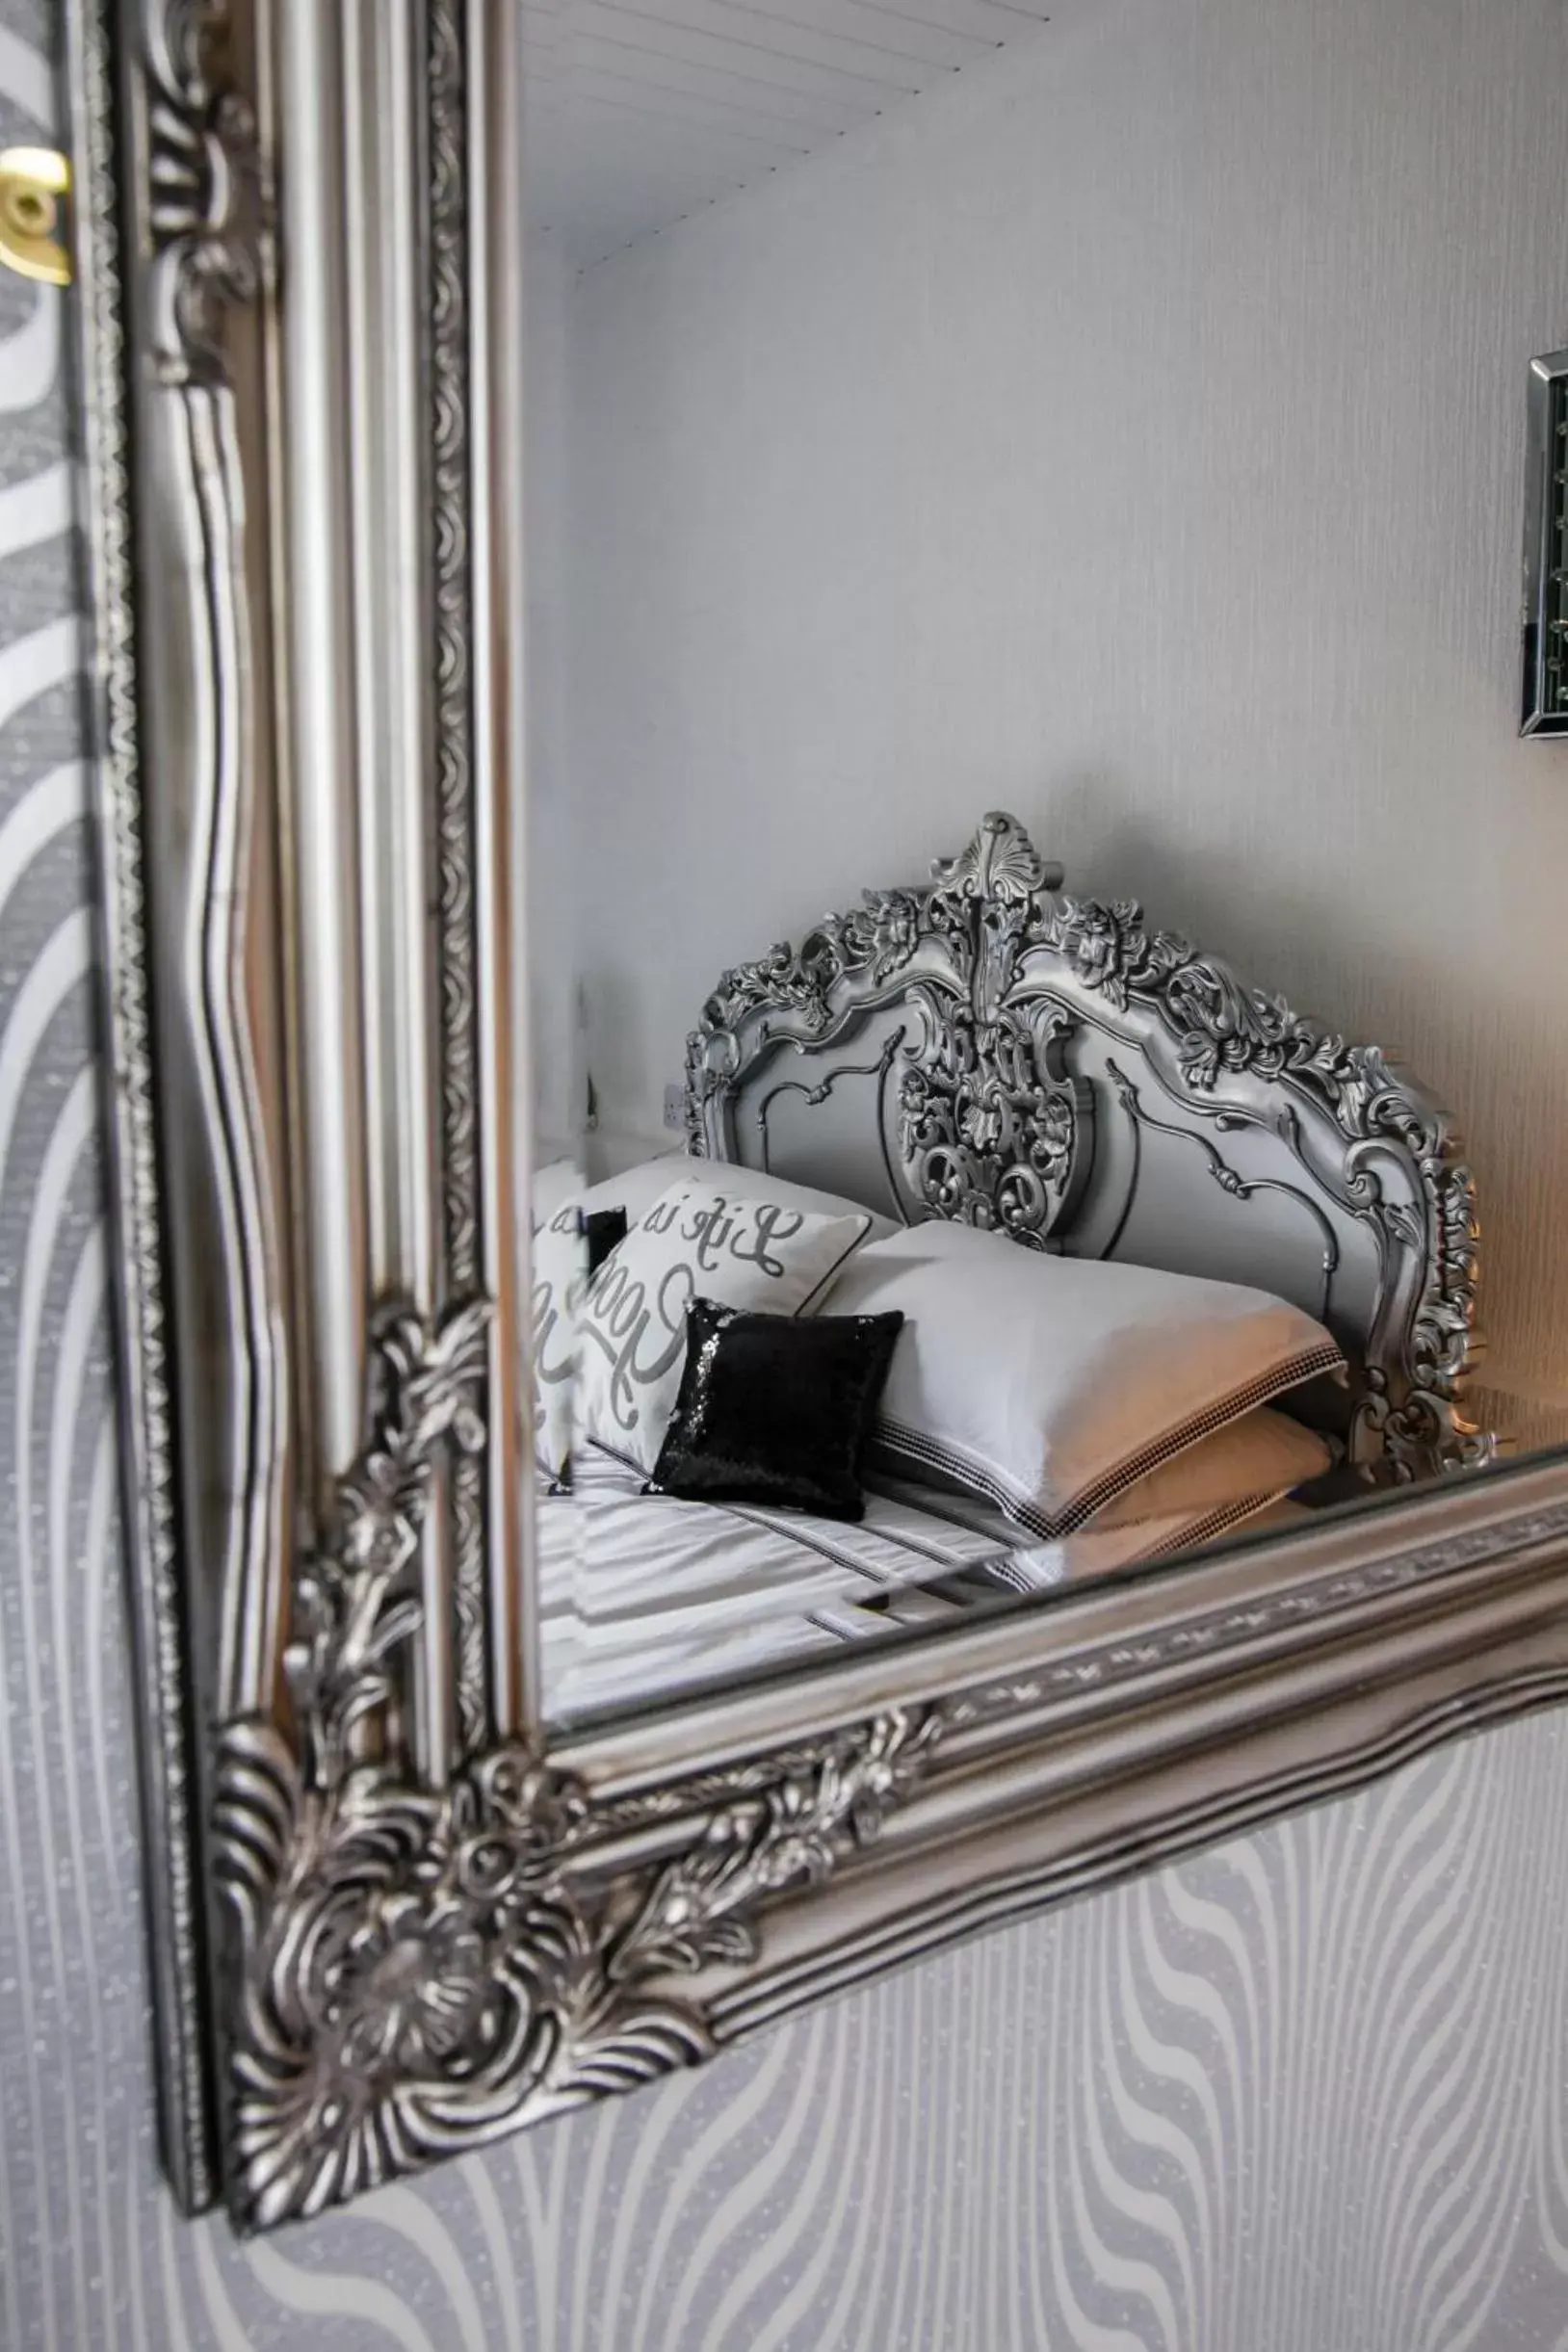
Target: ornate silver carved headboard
{"x": 984, "y": 1048}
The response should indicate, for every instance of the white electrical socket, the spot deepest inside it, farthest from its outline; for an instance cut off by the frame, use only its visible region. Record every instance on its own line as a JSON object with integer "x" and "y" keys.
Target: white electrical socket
{"x": 674, "y": 1105}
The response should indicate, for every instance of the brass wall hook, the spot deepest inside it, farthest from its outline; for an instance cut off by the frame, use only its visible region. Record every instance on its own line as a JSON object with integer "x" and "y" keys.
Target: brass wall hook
{"x": 33, "y": 186}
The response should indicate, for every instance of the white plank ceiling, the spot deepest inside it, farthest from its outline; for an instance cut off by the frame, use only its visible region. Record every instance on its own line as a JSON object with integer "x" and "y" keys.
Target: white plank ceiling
{"x": 641, "y": 112}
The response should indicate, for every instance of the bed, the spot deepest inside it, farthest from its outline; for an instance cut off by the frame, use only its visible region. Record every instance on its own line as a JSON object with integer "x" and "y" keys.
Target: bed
{"x": 985, "y": 1051}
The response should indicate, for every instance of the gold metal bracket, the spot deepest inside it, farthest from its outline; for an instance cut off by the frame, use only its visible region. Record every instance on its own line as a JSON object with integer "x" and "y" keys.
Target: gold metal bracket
{"x": 33, "y": 186}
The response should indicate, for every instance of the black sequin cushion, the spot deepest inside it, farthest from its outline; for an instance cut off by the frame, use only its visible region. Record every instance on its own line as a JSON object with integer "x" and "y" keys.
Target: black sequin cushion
{"x": 775, "y": 1410}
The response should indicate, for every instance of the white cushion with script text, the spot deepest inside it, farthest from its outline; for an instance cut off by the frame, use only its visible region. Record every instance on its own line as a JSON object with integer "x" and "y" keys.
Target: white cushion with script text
{"x": 700, "y": 1240}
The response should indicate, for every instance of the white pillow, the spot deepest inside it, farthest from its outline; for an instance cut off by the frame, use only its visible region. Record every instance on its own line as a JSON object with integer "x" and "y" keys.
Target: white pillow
{"x": 1249, "y": 1463}
{"x": 704, "y": 1239}
{"x": 560, "y": 1272}
{"x": 745, "y": 1184}
{"x": 1051, "y": 1384}
{"x": 1210, "y": 1487}
{"x": 751, "y": 1184}
{"x": 560, "y": 1262}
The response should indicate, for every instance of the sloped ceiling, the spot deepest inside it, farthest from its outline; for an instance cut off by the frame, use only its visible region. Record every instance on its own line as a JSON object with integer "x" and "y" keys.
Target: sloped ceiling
{"x": 641, "y": 112}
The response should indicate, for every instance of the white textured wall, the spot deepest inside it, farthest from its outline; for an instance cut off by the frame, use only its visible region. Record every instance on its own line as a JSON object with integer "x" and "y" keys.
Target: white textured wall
{"x": 1130, "y": 434}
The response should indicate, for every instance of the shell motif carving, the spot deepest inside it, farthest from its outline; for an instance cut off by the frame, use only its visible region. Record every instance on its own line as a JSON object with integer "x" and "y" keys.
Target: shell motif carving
{"x": 991, "y": 1129}
{"x": 420, "y": 1969}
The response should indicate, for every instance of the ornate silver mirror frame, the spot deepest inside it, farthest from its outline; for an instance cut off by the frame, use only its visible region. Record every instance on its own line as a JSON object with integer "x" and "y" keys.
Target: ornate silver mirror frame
{"x": 391, "y": 1920}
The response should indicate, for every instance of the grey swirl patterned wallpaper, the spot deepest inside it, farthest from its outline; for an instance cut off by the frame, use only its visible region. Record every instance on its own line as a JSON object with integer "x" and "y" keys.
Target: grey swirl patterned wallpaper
{"x": 1307, "y": 2093}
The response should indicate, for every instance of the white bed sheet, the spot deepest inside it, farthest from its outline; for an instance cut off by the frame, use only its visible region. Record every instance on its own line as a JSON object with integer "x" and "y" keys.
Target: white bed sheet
{"x": 644, "y": 1596}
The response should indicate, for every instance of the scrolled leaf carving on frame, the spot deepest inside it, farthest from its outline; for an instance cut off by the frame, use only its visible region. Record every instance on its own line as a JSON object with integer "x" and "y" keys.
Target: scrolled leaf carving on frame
{"x": 209, "y": 206}
{"x": 420, "y": 1969}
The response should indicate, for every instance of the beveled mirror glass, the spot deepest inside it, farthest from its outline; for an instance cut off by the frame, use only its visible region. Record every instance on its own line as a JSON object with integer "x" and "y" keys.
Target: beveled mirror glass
{"x": 851, "y": 513}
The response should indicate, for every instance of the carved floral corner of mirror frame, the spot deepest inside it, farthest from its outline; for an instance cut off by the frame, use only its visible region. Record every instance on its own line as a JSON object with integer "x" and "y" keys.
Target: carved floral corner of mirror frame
{"x": 995, "y": 1142}
{"x": 419, "y": 1970}
{"x": 423, "y": 1974}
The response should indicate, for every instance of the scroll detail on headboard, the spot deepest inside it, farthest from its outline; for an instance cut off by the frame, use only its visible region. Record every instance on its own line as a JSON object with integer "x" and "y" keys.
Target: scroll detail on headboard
{"x": 1027, "y": 1024}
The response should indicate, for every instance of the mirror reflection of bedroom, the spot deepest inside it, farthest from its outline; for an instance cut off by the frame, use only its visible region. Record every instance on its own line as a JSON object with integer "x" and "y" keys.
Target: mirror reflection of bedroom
{"x": 1045, "y": 981}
